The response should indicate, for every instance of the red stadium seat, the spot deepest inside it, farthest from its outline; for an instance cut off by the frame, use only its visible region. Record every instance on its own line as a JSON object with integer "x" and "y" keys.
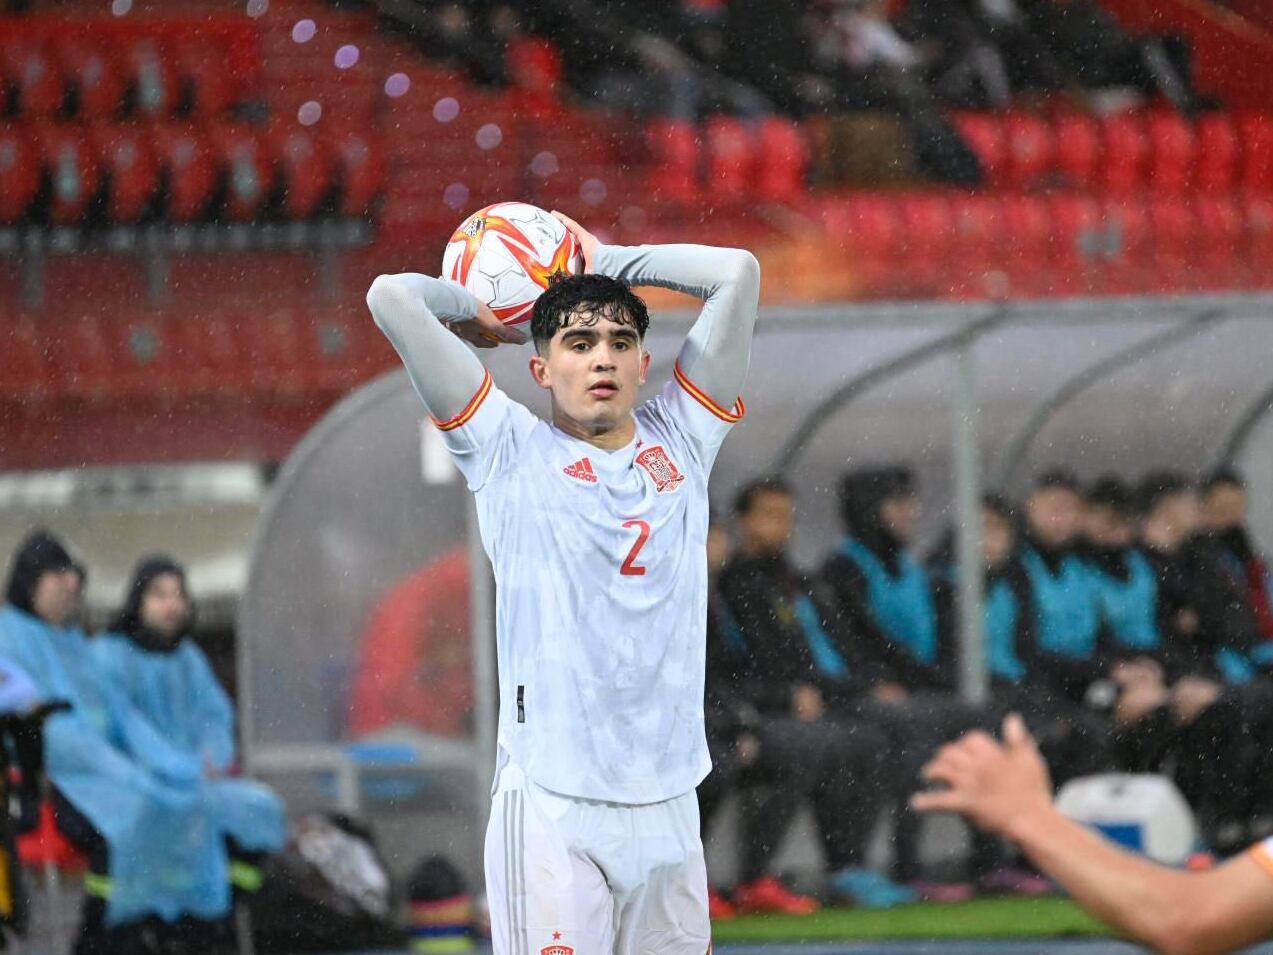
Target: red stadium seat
{"x": 534, "y": 68}
{"x": 783, "y": 159}
{"x": 305, "y": 167}
{"x": 870, "y": 227}
{"x": 1031, "y": 150}
{"x": 1217, "y": 153}
{"x": 82, "y": 357}
{"x": 125, "y": 154}
{"x": 1255, "y": 132}
{"x": 1174, "y": 229}
{"x": 929, "y": 230}
{"x": 1124, "y": 154}
{"x": 1219, "y": 243}
{"x": 281, "y": 353}
{"x": 33, "y": 74}
{"x": 24, "y": 363}
{"x": 248, "y": 174}
{"x": 93, "y": 74}
{"x": 1171, "y": 152}
{"x": 985, "y": 135}
{"x": 188, "y": 170}
{"x": 1078, "y": 149}
{"x": 1026, "y": 256}
{"x": 20, "y": 173}
{"x": 153, "y": 80}
{"x": 208, "y": 83}
{"x": 1128, "y": 245}
{"x": 731, "y": 157}
{"x": 1257, "y": 214}
{"x": 1078, "y": 244}
{"x": 359, "y": 160}
{"x": 977, "y": 248}
{"x": 208, "y": 349}
{"x": 674, "y": 150}
{"x": 73, "y": 171}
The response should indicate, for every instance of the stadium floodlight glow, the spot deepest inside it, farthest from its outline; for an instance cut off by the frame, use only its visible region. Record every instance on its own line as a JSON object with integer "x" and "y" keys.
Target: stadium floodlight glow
{"x": 397, "y": 85}
{"x": 304, "y": 30}
{"x": 346, "y": 56}
{"x": 489, "y": 136}
{"x": 446, "y": 109}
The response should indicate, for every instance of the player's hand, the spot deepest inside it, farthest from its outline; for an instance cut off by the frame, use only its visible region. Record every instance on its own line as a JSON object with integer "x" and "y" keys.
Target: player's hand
{"x": 1190, "y": 696}
{"x": 994, "y": 784}
{"x": 1137, "y": 701}
{"x": 486, "y": 331}
{"x": 587, "y": 241}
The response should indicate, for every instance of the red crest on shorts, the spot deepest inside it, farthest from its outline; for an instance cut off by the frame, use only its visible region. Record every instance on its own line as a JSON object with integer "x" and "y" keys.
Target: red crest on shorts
{"x": 557, "y": 950}
{"x": 660, "y": 467}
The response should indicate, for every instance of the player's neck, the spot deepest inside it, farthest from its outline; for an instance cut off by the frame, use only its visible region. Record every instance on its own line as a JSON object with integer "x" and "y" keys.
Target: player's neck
{"x": 607, "y": 439}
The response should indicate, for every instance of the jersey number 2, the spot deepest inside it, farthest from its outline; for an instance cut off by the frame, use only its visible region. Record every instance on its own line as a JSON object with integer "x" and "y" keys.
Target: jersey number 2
{"x": 630, "y": 568}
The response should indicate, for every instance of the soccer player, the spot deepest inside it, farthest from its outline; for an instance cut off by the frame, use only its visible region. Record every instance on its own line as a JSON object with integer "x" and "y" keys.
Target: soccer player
{"x": 1004, "y": 789}
{"x": 596, "y": 525}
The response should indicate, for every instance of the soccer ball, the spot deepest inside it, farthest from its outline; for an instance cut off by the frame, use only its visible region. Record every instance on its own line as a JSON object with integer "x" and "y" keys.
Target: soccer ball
{"x": 507, "y": 254}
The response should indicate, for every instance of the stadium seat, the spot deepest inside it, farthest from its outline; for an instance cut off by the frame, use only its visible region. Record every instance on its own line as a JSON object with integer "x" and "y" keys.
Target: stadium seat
{"x": 208, "y": 85}
{"x": 1219, "y": 243}
{"x": 20, "y": 174}
{"x": 281, "y": 353}
{"x": 534, "y": 69}
{"x": 1255, "y": 132}
{"x": 783, "y": 160}
{"x": 977, "y": 247}
{"x": 870, "y": 226}
{"x": 207, "y": 346}
{"x": 33, "y": 76}
{"x": 928, "y": 228}
{"x": 1026, "y": 254}
{"x": 984, "y": 134}
{"x": 1174, "y": 230}
{"x": 247, "y": 173}
{"x": 1124, "y": 152}
{"x": 74, "y": 174}
{"x": 24, "y": 362}
{"x": 1031, "y": 150}
{"x": 305, "y": 168}
{"x": 1078, "y": 244}
{"x": 1128, "y": 246}
{"x": 1078, "y": 149}
{"x": 153, "y": 82}
{"x": 82, "y": 357}
{"x": 731, "y": 158}
{"x": 1257, "y": 215}
{"x": 188, "y": 171}
{"x": 1171, "y": 152}
{"x": 358, "y": 155}
{"x": 132, "y": 172}
{"x": 673, "y": 148}
{"x": 93, "y": 74}
{"x": 1217, "y": 163}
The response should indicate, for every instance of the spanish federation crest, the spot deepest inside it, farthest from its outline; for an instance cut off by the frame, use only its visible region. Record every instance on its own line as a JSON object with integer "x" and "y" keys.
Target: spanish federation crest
{"x": 660, "y": 468}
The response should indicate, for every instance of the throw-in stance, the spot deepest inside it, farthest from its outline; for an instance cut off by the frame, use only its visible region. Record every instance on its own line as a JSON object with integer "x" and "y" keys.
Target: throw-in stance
{"x": 596, "y": 525}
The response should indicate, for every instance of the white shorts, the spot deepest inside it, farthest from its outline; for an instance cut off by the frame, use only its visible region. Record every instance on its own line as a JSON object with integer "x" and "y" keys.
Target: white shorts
{"x": 571, "y": 876}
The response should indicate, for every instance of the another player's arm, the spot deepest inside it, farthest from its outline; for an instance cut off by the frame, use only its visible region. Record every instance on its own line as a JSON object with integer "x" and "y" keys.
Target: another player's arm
{"x": 422, "y": 317}
{"x": 718, "y": 348}
{"x": 1004, "y": 789}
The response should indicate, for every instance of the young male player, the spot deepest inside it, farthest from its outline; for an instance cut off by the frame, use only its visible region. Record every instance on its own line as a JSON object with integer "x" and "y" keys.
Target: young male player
{"x": 1004, "y": 789}
{"x": 596, "y": 525}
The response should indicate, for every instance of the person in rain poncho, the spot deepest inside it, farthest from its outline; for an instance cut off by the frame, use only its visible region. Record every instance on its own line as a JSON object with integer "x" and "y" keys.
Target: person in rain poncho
{"x": 137, "y": 804}
{"x": 149, "y": 656}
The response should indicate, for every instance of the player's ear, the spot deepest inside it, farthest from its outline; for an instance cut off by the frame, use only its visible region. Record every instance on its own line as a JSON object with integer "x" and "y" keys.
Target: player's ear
{"x": 645, "y": 365}
{"x": 539, "y": 371}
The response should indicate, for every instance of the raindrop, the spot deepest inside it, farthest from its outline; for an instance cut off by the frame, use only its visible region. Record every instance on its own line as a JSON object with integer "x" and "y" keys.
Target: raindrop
{"x": 489, "y": 136}
{"x": 309, "y": 113}
{"x": 544, "y": 164}
{"x": 346, "y": 56}
{"x": 456, "y": 195}
{"x": 397, "y": 85}
{"x": 446, "y": 109}
{"x": 304, "y": 31}
{"x": 257, "y": 8}
{"x": 592, "y": 191}
{"x": 120, "y": 7}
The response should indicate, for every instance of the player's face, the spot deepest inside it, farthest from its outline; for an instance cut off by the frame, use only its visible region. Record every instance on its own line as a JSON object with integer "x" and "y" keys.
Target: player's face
{"x": 766, "y": 527}
{"x": 1225, "y": 507}
{"x": 165, "y": 607}
{"x": 594, "y": 372}
{"x": 997, "y": 538}
{"x": 898, "y": 515}
{"x": 1108, "y": 527}
{"x": 56, "y": 596}
{"x": 1054, "y": 514}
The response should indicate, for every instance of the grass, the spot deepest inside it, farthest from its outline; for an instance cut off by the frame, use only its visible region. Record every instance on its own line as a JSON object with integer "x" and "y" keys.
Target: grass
{"x": 982, "y": 918}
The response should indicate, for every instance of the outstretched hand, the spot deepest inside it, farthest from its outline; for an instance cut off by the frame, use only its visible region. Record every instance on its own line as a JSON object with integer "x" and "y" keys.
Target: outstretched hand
{"x": 486, "y": 331}
{"x": 993, "y": 784}
{"x": 587, "y": 241}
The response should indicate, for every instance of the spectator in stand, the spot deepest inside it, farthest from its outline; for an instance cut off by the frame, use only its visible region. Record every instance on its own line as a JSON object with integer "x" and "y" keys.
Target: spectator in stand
{"x": 768, "y": 45}
{"x": 886, "y": 622}
{"x": 459, "y": 37}
{"x": 1224, "y": 512}
{"x": 803, "y": 750}
{"x": 1095, "y": 50}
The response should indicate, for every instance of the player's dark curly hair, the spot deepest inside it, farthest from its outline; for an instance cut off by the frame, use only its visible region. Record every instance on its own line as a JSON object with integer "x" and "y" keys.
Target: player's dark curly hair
{"x": 582, "y": 300}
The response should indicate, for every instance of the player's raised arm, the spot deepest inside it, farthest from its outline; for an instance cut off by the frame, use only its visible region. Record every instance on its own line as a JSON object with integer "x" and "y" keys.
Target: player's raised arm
{"x": 717, "y": 351}
{"x": 424, "y": 319}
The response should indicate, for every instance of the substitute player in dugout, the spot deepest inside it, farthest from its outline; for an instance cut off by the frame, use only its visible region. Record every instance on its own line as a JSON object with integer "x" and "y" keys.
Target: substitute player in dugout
{"x": 596, "y": 525}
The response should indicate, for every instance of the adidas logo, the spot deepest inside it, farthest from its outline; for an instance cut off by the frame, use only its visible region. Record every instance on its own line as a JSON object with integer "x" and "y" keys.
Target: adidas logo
{"x": 581, "y": 470}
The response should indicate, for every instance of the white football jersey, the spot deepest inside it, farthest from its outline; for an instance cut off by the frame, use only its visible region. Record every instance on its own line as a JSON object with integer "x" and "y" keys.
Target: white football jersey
{"x": 601, "y": 590}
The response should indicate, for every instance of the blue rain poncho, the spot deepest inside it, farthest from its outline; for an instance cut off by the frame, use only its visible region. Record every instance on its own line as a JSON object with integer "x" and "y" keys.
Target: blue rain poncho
{"x": 177, "y": 693}
{"x": 147, "y": 798}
